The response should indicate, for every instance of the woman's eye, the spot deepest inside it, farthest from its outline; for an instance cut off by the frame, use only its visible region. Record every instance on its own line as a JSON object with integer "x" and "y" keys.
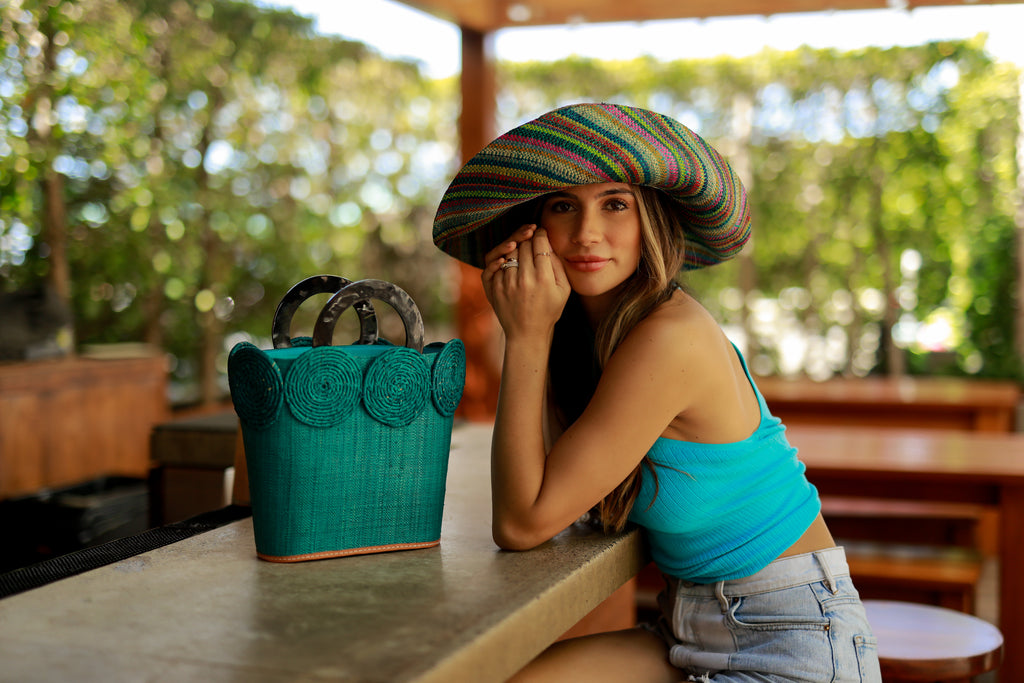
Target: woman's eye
{"x": 559, "y": 206}
{"x": 617, "y": 205}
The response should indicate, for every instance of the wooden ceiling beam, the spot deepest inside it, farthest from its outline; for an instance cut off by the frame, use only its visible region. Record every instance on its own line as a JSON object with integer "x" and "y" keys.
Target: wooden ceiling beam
{"x": 492, "y": 15}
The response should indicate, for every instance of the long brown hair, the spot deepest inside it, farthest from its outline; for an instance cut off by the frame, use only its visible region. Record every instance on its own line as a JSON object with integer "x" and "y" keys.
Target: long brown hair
{"x": 574, "y": 375}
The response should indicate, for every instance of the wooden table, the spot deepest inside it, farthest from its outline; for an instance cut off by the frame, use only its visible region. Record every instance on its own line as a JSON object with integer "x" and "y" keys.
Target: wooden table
{"x": 934, "y": 465}
{"x": 905, "y": 402}
{"x": 207, "y": 609}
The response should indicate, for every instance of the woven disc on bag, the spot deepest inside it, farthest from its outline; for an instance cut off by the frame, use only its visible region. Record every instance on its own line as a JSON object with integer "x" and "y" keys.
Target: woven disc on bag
{"x": 257, "y": 388}
{"x": 449, "y": 377}
{"x": 323, "y": 386}
{"x": 396, "y": 388}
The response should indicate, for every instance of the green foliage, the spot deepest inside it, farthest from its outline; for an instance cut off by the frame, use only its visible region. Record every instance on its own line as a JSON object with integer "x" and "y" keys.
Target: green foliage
{"x": 213, "y": 153}
{"x": 883, "y": 185}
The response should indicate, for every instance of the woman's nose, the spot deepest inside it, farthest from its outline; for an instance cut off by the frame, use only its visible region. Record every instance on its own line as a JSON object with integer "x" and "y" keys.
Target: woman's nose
{"x": 587, "y": 230}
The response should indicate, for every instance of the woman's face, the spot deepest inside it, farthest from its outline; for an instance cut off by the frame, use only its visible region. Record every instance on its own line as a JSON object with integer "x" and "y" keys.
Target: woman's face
{"x": 595, "y": 232}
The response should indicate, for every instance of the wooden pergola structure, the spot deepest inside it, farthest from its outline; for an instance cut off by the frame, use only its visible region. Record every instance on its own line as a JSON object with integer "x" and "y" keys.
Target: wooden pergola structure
{"x": 478, "y": 20}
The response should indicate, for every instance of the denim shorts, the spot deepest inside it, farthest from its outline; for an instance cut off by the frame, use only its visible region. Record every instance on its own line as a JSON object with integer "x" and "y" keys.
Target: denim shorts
{"x": 798, "y": 619}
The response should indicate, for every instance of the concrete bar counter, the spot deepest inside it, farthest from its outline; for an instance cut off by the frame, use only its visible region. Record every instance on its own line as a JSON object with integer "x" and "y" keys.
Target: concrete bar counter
{"x": 207, "y": 609}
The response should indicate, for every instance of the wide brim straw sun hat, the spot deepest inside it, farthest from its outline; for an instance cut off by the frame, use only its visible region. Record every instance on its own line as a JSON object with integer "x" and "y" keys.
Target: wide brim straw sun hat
{"x": 589, "y": 143}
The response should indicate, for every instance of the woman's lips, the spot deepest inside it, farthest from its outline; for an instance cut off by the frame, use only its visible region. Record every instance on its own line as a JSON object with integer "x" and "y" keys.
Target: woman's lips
{"x": 586, "y": 264}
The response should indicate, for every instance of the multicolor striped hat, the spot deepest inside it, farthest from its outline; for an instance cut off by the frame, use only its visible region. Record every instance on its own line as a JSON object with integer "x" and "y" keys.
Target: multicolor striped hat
{"x": 594, "y": 143}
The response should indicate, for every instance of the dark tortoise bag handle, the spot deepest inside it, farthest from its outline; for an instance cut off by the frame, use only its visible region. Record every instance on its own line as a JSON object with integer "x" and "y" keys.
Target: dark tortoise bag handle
{"x": 363, "y": 291}
{"x": 280, "y": 332}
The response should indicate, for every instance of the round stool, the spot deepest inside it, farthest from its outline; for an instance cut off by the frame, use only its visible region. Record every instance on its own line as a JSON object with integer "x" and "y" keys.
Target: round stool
{"x": 926, "y": 643}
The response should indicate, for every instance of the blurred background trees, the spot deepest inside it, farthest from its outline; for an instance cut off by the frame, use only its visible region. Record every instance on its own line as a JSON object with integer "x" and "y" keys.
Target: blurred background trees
{"x": 883, "y": 186}
{"x": 170, "y": 168}
{"x": 173, "y": 167}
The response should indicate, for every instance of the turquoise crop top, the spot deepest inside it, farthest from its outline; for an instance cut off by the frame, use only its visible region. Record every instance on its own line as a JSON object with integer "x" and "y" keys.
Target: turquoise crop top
{"x": 724, "y": 511}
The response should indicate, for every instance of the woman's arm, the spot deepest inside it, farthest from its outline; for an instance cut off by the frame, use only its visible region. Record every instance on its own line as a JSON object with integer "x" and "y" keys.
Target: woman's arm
{"x": 643, "y": 388}
{"x": 669, "y": 359}
{"x": 528, "y": 301}
{"x": 518, "y": 452}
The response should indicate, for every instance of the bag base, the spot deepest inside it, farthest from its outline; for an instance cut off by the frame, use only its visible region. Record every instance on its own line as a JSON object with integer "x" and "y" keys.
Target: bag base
{"x": 327, "y": 554}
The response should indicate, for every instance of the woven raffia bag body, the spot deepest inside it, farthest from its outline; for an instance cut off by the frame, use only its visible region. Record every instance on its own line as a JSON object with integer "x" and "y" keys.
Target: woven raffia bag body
{"x": 346, "y": 446}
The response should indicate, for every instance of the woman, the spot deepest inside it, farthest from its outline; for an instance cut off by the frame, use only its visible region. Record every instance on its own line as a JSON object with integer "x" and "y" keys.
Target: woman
{"x": 620, "y": 392}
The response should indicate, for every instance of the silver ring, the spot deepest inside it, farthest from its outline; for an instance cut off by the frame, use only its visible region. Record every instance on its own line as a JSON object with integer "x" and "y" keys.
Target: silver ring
{"x": 511, "y": 263}
{"x": 543, "y": 253}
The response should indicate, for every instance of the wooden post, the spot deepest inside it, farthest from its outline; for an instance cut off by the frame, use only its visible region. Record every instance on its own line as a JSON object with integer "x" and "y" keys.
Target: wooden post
{"x": 477, "y": 326}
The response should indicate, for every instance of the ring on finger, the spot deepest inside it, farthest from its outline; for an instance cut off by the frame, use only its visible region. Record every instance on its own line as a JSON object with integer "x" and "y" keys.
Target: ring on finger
{"x": 510, "y": 263}
{"x": 543, "y": 253}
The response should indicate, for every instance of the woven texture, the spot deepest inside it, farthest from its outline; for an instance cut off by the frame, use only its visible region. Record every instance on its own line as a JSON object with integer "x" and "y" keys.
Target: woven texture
{"x": 448, "y": 377}
{"x": 595, "y": 143}
{"x": 397, "y": 387}
{"x": 323, "y": 388}
{"x": 253, "y": 376}
{"x": 356, "y": 459}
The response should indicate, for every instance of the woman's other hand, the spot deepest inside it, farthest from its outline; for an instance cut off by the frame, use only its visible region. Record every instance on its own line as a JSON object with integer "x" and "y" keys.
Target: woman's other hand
{"x": 525, "y": 283}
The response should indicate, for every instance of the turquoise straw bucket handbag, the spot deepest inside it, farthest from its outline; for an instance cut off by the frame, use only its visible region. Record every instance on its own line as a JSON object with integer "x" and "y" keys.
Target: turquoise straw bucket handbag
{"x": 346, "y": 446}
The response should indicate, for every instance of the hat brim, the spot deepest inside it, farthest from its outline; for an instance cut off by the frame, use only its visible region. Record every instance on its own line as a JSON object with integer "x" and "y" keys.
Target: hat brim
{"x": 594, "y": 143}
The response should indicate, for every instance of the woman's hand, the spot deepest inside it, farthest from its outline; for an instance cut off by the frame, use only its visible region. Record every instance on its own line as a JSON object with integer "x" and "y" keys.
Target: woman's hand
{"x": 525, "y": 283}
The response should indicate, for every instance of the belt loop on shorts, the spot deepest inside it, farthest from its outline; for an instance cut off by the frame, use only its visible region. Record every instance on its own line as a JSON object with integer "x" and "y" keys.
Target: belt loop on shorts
{"x": 830, "y": 580}
{"x": 720, "y": 594}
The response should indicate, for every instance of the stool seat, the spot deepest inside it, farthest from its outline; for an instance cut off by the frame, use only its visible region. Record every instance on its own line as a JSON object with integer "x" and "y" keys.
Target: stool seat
{"x": 927, "y": 643}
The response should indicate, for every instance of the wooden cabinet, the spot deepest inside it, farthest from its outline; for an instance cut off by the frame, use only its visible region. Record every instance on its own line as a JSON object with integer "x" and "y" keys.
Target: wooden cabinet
{"x": 70, "y": 420}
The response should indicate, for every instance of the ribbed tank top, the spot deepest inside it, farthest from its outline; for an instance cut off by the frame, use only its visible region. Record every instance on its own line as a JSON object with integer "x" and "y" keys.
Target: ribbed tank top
{"x": 725, "y": 511}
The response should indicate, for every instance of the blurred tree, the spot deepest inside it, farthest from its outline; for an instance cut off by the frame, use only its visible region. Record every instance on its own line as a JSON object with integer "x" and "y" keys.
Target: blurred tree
{"x": 214, "y": 154}
{"x": 35, "y": 188}
{"x": 883, "y": 187}
{"x": 179, "y": 165}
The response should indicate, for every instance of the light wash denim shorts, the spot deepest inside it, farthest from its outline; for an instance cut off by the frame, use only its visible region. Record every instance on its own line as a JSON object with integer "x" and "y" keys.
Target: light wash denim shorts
{"x": 798, "y": 619}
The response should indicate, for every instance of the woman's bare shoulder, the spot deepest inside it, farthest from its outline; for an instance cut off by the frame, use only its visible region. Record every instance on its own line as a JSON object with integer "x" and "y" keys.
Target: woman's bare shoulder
{"x": 679, "y": 347}
{"x": 718, "y": 405}
{"x": 671, "y": 363}
{"x": 681, "y": 326}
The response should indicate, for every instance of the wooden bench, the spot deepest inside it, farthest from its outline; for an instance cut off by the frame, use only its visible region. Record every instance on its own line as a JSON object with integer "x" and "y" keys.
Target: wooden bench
{"x": 941, "y": 576}
{"x": 971, "y": 525}
{"x": 930, "y": 552}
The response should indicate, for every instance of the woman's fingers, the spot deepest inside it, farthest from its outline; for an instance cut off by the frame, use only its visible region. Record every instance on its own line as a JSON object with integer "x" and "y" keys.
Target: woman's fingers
{"x": 532, "y": 256}
{"x": 525, "y": 256}
{"x": 541, "y": 245}
{"x": 499, "y": 252}
{"x": 525, "y": 232}
{"x": 501, "y": 266}
{"x": 543, "y": 256}
{"x": 509, "y": 246}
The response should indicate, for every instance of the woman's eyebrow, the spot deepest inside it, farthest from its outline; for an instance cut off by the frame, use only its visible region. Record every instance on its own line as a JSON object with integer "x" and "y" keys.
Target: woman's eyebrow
{"x": 604, "y": 193}
{"x": 616, "y": 190}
